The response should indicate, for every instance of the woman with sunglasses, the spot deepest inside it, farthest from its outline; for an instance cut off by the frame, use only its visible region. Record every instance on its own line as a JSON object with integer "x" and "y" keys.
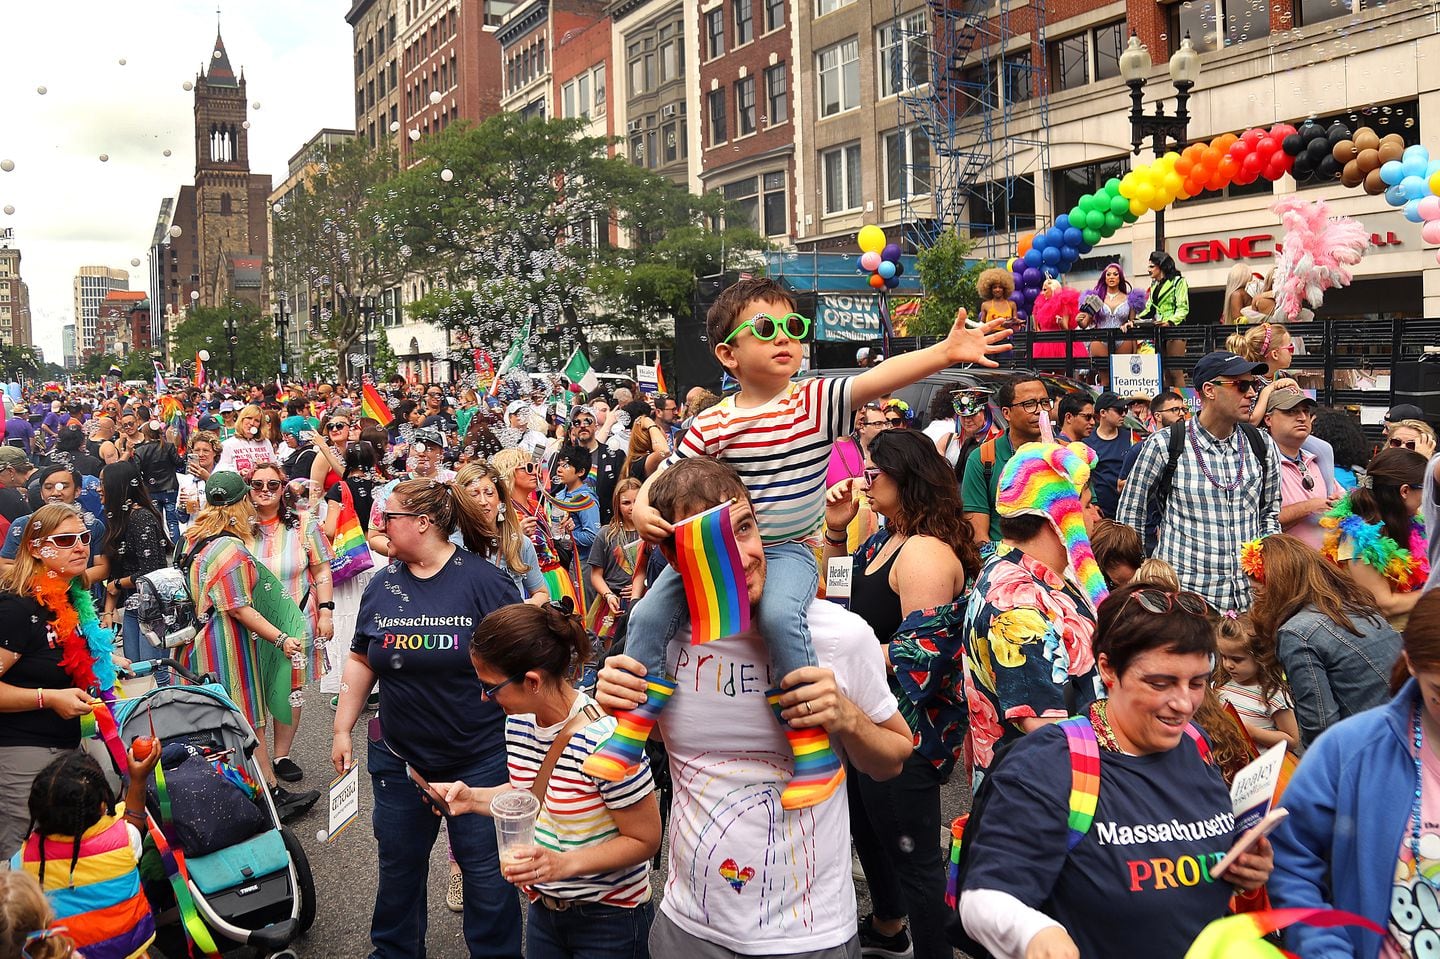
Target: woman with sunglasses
{"x": 291, "y": 545}
{"x": 1373, "y": 532}
{"x": 521, "y": 476}
{"x": 1049, "y": 872}
{"x": 1415, "y": 435}
{"x": 54, "y": 657}
{"x": 135, "y": 544}
{"x": 336, "y": 433}
{"x": 588, "y": 876}
{"x": 909, "y": 583}
{"x": 435, "y": 725}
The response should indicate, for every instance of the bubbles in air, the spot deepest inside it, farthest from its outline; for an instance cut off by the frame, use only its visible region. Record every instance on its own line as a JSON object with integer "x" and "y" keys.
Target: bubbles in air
{"x": 42, "y": 90}
{"x": 7, "y": 165}
{"x": 187, "y": 86}
{"x": 175, "y": 230}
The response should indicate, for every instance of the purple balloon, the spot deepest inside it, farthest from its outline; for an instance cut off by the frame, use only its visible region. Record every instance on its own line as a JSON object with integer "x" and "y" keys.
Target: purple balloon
{"x": 892, "y": 282}
{"x": 1031, "y": 276}
{"x": 891, "y": 252}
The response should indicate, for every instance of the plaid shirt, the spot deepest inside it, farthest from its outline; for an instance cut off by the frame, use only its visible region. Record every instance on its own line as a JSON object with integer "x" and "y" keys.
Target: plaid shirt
{"x": 1203, "y": 527}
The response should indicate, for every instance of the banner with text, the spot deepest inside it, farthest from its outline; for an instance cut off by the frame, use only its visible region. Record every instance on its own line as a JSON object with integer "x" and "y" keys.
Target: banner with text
{"x": 1132, "y": 373}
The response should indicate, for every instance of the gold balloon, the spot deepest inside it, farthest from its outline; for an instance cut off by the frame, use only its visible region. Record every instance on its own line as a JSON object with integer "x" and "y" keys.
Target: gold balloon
{"x": 1366, "y": 139}
{"x": 1351, "y": 176}
{"x": 1393, "y": 138}
{"x": 1391, "y": 150}
{"x": 1369, "y": 160}
{"x": 1373, "y": 184}
{"x": 1344, "y": 151}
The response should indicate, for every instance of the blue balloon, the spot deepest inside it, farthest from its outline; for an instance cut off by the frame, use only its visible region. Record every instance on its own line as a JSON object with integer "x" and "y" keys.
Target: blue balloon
{"x": 1054, "y": 237}
{"x": 1040, "y": 242}
{"x": 893, "y": 282}
{"x": 1395, "y": 196}
{"x": 1068, "y": 254}
{"x": 886, "y": 269}
{"x": 1414, "y": 166}
{"x": 1412, "y": 211}
{"x": 1417, "y": 150}
{"x": 1391, "y": 173}
{"x": 1051, "y": 255}
{"x": 1084, "y": 248}
{"x": 1074, "y": 236}
{"x": 1063, "y": 221}
{"x": 1432, "y": 168}
{"x": 1414, "y": 187}
{"x": 1034, "y": 257}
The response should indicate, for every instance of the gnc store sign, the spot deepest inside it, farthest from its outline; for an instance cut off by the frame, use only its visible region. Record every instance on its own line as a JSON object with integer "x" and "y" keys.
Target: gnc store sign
{"x": 1261, "y": 245}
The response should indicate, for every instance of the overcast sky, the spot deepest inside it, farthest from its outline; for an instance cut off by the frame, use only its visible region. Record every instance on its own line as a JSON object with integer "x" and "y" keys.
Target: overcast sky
{"x": 70, "y": 208}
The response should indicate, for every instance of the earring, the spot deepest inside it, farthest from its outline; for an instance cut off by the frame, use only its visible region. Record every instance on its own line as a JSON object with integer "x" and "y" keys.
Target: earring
{"x": 500, "y": 513}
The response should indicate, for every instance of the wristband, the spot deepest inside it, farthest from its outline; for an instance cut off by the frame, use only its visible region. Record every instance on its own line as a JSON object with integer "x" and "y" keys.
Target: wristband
{"x": 328, "y": 604}
{"x": 835, "y": 542}
{"x": 280, "y": 641}
{"x": 40, "y": 698}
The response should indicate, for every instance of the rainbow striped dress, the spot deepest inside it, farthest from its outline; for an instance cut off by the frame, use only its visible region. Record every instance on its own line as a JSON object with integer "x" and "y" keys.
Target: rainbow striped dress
{"x": 222, "y": 578}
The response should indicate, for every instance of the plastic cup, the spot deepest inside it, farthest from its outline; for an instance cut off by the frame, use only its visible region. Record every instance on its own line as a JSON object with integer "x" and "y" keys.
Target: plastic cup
{"x": 514, "y": 812}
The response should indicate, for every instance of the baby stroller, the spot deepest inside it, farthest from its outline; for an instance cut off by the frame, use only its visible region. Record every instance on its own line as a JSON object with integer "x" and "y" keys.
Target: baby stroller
{"x": 256, "y": 892}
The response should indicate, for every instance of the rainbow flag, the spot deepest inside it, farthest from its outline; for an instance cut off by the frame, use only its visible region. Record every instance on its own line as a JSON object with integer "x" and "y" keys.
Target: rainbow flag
{"x": 199, "y": 371}
{"x": 373, "y": 406}
{"x": 714, "y": 575}
{"x": 1242, "y": 935}
{"x": 660, "y": 386}
{"x": 352, "y": 554}
{"x": 173, "y": 414}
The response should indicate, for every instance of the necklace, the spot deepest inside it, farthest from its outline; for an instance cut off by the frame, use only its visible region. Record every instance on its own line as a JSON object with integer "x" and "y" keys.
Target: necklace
{"x": 1415, "y": 807}
{"x": 1104, "y": 733}
{"x": 1205, "y": 469}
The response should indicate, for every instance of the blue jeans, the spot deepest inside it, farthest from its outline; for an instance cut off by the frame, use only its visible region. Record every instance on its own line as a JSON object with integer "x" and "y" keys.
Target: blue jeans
{"x": 589, "y": 930}
{"x": 791, "y": 578}
{"x": 138, "y": 649}
{"x": 165, "y": 501}
{"x": 405, "y": 830}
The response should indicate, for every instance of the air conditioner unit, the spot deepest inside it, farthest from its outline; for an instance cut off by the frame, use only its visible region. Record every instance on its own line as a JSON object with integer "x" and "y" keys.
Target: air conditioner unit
{"x": 635, "y": 126}
{"x": 667, "y": 111}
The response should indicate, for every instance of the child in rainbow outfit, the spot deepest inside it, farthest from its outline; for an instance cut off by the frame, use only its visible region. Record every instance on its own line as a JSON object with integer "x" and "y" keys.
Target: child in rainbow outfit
{"x": 777, "y": 435}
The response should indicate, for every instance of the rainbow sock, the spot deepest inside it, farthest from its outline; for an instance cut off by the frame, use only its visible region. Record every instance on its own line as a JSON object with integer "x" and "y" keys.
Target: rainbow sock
{"x": 620, "y": 755}
{"x": 818, "y": 772}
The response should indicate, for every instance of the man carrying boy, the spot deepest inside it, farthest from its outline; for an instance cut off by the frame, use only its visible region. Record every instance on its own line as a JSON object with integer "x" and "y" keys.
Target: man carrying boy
{"x": 776, "y": 433}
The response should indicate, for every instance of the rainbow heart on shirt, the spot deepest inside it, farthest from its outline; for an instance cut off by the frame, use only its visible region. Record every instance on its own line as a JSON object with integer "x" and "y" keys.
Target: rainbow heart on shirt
{"x": 734, "y": 875}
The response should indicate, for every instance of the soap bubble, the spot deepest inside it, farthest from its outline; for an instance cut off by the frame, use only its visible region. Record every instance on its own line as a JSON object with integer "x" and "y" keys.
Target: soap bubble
{"x": 187, "y": 86}
{"x": 134, "y": 261}
{"x": 104, "y": 158}
{"x": 204, "y": 356}
{"x": 194, "y": 294}
{"x": 396, "y": 661}
{"x": 322, "y": 835}
{"x": 244, "y": 124}
{"x": 278, "y": 208}
{"x": 9, "y": 210}
{"x": 175, "y": 230}
{"x": 122, "y": 61}
{"x": 217, "y": 54}
{"x": 255, "y": 105}
{"x": 446, "y": 175}
{"x": 435, "y": 96}
{"x": 394, "y": 125}
{"x": 165, "y": 152}
{"x": 42, "y": 90}
{"x": 414, "y": 135}
{"x": 7, "y": 165}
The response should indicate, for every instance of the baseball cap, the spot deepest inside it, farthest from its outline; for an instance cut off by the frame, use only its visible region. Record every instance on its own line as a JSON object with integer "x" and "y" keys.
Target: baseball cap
{"x": 1223, "y": 363}
{"x": 429, "y": 436}
{"x": 226, "y": 406}
{"x": 1110, "y": 401}
{"x": 1286, "y": 399}
{"x": 225, "y": 488}
{"x": 13, "y": 458}
{"x": 207, "y": 423}
{"x": 1404, "y": 411}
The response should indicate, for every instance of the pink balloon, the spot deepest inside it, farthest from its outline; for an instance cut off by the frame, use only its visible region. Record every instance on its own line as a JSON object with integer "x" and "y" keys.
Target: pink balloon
{"x": 870, "y": 261}
{"x": 1431, "y": 231}
{"x": 1430, "y": 208}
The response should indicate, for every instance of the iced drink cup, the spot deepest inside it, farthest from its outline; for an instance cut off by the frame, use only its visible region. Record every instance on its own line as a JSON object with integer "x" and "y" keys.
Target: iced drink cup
{"x": 514, "y": 812}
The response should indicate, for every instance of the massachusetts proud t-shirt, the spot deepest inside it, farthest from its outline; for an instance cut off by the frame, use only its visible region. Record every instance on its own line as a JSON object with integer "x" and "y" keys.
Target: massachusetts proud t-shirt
{"x": 415, "y": 633}
{"x": 1142, "y": 872}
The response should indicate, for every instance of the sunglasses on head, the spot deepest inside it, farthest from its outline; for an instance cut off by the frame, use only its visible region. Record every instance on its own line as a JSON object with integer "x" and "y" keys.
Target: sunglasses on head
{"x": 765, "y": 327}
{"x": 265, "y": 486}
{"x": 68, "y": 540}
{"x": 1402, "y": 444}
{"x": 1160, "y": 602}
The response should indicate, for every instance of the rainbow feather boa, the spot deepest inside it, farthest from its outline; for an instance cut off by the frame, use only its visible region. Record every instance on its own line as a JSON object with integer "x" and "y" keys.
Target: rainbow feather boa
{"x": 1045, "y": 479}
{"x": 1406, "y": 569}
{"x": 86, "y": 645}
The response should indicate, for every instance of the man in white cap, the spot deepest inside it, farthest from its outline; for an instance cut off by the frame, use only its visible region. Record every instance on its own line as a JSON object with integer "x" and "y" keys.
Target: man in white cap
{"x": 519, "y": 416}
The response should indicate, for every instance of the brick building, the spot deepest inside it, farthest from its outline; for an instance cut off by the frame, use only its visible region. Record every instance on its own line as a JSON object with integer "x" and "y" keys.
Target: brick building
{"x": 14, "y": 299}
{"x": 123, "y": 324}
{"x": 92, "y": 285}
{"x": 376, "y": 30}
{"x": 449, "y": 66}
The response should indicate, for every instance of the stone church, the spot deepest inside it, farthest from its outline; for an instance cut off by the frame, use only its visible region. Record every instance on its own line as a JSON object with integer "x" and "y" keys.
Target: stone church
{"x": 224, "y": 241}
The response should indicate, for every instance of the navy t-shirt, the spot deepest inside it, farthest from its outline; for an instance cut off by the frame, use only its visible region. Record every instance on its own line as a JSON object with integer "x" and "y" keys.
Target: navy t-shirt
{"x": 416, "y": 635}
{"x": 1106, "y": 474}
{"x": 1142, "y": 872}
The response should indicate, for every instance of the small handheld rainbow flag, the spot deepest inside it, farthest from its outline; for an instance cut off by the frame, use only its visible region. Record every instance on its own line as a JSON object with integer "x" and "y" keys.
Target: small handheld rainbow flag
{"x": 714, "y": 575}
{"x": 373, "y": 406}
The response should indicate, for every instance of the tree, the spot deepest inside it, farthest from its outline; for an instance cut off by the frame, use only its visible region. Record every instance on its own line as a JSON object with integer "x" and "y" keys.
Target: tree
{"x": 333, "y": 241}
{"x": 17, "y": 362}
{"x": 947, "y": 276}
{"x": 257, "y": 354}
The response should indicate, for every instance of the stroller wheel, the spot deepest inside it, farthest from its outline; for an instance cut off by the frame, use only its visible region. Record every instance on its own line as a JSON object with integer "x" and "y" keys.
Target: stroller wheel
{"x": 283, "y": 954}
{"x": 306, "y": 883}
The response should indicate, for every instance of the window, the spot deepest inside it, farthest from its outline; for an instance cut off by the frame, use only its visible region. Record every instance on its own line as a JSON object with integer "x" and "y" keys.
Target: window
{"x": 669, "y": 55}
{"x": 745, "y": 195}
{"x": 777, "y": 95}
{"x": 637, "y": 76}
{"x": 904, "y": 54}
{"x": 716, "y": 103}
{"x": 714, "y": 33}
{"x": 598, "y": 77}
{"x": 637, "y": 149}
{"x": 744, "y": 11}
{"x": 774, "y": 14}
{"x": 1071, "y": 59}
{"x": 745, "y": 106}
{"x": 359, "y": 62}
{"x": 907, "y": 164}
{"x": 1017, "y": 77}
{"x": 649, "y": 71}
{"x": 670, "y": 146}
{"x": 1314, "y": 11}
{"x": 839, "y": 68}
{"x": 841, "y": 168}
{"x": 1002, "y": 205}
{"x": 582, "y": 95}
{"x": 567, "y": 100}
{"x": 1069, "y": 184}
{"x": 775, "y": 222}
{"x": 652, "y": 152}
{"x": 823, "y": 7}
{"x": 1246, "y": 20}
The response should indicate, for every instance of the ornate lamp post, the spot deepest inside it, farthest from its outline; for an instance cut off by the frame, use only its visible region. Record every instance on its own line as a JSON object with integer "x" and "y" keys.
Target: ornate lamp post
{"x": 1161, "y": 128}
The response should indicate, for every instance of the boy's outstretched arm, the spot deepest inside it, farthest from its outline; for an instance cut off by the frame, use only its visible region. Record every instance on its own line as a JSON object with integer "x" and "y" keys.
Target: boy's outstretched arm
{"x": 962, "y": 345}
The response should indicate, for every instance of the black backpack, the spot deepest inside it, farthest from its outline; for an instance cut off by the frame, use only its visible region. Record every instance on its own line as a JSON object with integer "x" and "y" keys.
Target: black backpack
{"x": 1166, "y": 481}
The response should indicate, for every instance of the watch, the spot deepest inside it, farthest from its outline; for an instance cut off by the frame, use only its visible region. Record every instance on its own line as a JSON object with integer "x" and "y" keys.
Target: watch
{"x": 328, "y": 604}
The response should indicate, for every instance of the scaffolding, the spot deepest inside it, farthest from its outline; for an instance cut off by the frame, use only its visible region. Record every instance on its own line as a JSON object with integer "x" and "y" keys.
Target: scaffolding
{"x": 963, "y": 85}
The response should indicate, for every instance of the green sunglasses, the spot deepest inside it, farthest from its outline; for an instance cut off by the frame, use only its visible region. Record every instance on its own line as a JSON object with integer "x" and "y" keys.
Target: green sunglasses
{"x": 765, "y": 327}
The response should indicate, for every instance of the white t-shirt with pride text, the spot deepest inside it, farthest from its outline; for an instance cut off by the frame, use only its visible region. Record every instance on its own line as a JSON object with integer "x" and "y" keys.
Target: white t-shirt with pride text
{"x": 745, "y": 873}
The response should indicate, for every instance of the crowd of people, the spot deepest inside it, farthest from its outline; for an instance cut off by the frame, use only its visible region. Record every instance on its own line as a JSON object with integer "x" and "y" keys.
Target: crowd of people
{"x": 1037, "y": 578}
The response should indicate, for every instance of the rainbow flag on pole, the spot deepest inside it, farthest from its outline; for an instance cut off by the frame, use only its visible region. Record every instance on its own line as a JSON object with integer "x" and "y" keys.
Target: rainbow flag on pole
{"x": 714, "y": 575}
{"x": 373, "y": 405}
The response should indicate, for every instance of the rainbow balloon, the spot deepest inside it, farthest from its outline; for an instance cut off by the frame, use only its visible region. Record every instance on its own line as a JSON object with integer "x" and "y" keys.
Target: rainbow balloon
{"x": 714, "y": 575}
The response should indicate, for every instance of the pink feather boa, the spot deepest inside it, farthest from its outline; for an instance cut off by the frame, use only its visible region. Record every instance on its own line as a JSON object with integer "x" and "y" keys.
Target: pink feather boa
{"x": 1319, "y": 254}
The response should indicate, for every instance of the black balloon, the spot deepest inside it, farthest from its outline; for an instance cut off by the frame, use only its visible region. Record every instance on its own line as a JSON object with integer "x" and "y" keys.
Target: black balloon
{"x": 1304, "y": 168}
{"x": 1293, "y": 144}
{"x": 1327, "y": 169}
{"x": 1317, "y": 150}
{"x": 1310, "y": 130}
{"x": 1337, "y": 132}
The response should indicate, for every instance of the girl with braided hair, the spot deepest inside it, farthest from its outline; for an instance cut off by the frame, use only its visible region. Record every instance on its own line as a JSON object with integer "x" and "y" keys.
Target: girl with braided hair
{"x": 83, "y": 844}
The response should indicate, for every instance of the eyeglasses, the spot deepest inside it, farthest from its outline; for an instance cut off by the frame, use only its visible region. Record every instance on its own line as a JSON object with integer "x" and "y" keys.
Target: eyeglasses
{"x": 387, "y": 515}
{"x": 1033, "y": 406}
{"x": 1086, "y": 416}
{"x": 266, "y": 486}
{"x": 1402, "y": 444}
{"x": 765, "y": 327}
{"x": 870, "y": 475}
{"x": 580, "y": 421}
{"x": 68, "y": 540}
{"x": 1182, "y": 410}
{"x": 874, "y": 423}
{"x": 1160, "y": 602}
{"x": 1250, "y": 385}
{"x": 489, "y": 692}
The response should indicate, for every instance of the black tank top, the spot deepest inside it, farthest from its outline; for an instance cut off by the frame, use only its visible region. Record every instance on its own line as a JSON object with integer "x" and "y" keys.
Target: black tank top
{"x": 872, "y": 599}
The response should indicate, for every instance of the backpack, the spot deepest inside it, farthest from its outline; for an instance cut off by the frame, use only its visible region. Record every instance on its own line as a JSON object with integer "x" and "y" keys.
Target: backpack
{"x": 164, "y": 606}
{"x": 1166, "y": 481}
{"x": 1083, "y": 801}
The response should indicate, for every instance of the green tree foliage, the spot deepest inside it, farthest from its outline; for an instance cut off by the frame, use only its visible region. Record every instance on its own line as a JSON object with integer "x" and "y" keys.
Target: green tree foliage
{"x": 947, "y": 276}
{"x": 257, "y": 355}
{"x": 17, "y": 362}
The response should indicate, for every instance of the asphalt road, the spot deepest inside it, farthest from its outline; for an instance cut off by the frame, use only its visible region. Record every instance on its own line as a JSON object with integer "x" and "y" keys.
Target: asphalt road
{"x": 345, "y": 868}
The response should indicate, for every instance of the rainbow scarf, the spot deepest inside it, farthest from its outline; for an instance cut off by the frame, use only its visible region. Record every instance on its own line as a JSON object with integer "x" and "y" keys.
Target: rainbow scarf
{"x": 710, "y": 566}
{"x": 373, "y": 405}
{"x": 1406, "y": 569}
{"x": 1045, "y": 479}
{"x": 86, "y": 646}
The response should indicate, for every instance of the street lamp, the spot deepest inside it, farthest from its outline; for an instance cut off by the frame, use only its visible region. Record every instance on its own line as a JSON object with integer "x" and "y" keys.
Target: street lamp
{"x": 232, "y": 336}
{"x": 1135, "y": 64}
{"x": 282, "y": 328}
{"x": 366, "y": 313}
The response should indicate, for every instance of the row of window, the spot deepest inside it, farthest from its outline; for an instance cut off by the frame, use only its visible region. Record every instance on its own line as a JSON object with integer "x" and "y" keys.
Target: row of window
{"x": 375, "y": 89}
{"x": 376, "y": 135}
{"x": 742, "y": 95}
{"x": 658, "y": 146}
{"x": 375, "y": 46}
{"x": 903, "y": 63}
{"x": 584, "y": 95}
{"x": 441, "y": 32}
{"x": 907, "y": 171}
{"x": 742, "y": 24}
{"x": 525, "y": 65}
{"x": 656, "y": 60}
{"x": 441, "y": 78}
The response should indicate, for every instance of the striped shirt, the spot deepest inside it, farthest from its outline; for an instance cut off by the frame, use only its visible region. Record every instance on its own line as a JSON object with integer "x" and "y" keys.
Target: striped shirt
{"x": 575, "y": 813}
{"x": 1250, "y": 703}
{"x": 780, "y": 449}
